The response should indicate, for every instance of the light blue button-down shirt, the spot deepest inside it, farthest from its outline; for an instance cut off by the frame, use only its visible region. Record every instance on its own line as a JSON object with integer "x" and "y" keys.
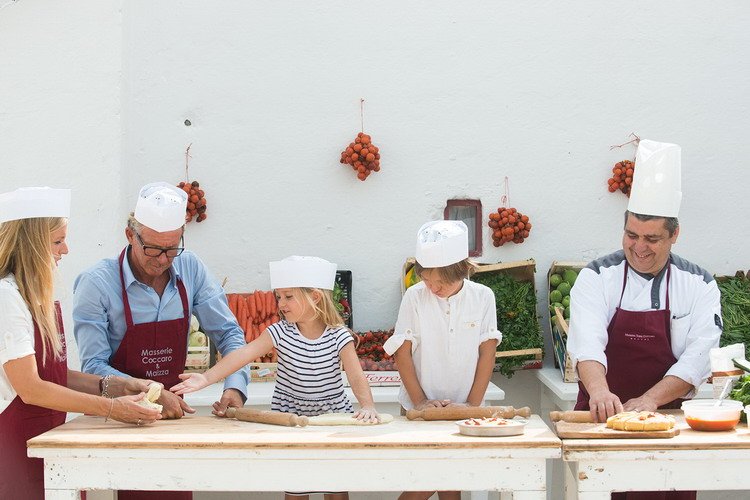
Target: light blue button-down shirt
{"x": 99, "y": 312}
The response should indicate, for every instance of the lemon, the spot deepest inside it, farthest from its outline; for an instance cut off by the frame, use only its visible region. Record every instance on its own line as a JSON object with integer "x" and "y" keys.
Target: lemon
{"x": 570, "y": 276}
{"x": 555, "y": 296}
{"x": 555, "y": 280}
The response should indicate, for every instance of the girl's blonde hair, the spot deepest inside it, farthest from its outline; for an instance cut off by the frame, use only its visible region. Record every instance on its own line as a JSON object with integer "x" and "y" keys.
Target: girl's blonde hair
{"x": 452, "y": 273}
{"x": 25, "y": 252}
{"x": 325, "y": 309}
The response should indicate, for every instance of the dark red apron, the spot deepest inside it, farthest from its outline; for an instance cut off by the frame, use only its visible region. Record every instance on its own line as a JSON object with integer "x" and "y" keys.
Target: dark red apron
{"x": 21, "y": 476}
{"x": 639, "y": 354}
{"x": 155, "y": 351}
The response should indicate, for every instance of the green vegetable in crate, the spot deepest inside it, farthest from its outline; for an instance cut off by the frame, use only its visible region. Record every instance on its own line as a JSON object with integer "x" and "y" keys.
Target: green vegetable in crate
{"x": 569, "y": 276}
{"x": 564, "y": 288}
{"x": 735, "y": 310}
{"x": 741, "y": 392}
{"x": 555, "y": 296}
{"x": 555, "y": 280}
{"x": 516, "y": 317}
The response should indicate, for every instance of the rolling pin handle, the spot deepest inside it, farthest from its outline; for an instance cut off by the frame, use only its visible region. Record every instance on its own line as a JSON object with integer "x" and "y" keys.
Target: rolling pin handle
{"x": 231, "y": 412}
{"x": 301, "y": 421}
{"x": 414, "y": 414}
{"x": 555, "y": 416}
{"x": 523, "y": 412}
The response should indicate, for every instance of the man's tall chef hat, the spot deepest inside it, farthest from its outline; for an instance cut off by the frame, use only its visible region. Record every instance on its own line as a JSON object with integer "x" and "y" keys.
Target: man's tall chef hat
{"x": 302, "y": 272}
{"x": 442, "y": 243}
{"x": 161, "y": 207}
{"x": 31, "y": 202}
{"x": 657, "y": 179}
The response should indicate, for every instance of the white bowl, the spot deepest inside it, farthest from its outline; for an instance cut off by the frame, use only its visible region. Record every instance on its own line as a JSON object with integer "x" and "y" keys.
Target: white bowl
{"x": 491, "y": 427}
{"x": 703, "y": 415}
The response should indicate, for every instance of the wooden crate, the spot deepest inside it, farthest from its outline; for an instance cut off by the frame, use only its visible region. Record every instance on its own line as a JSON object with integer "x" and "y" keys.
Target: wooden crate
{"x": 263, "y": 372}
{"x": 559, "y": 330}
{"x": 520, "y": 271}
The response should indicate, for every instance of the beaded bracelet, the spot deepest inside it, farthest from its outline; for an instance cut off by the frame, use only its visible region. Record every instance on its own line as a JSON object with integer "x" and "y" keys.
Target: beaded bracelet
{"x": 104, "y": 386}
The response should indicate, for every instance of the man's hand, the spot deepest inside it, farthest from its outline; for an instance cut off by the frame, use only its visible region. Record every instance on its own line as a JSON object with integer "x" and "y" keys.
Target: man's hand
{"x": 173, "y": 405}
{"x": 643, "y": 403}
{"x": 230, "y": 398}
{"x": 604, "y": 404}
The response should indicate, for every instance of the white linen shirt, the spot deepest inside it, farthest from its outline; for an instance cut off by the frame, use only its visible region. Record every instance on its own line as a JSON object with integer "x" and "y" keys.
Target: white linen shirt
{"x": 16, "y": 334}
{"x": 445, "y": 335}
{"x": 693, "y": 301}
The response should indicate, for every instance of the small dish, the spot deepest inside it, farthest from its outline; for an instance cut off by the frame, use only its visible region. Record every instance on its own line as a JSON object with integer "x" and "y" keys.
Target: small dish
{"x": 491, "y": 426}
{"x": 704, "y": 415}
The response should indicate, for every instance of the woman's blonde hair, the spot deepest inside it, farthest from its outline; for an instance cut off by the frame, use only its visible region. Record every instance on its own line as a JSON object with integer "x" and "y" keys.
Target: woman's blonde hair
{"x": 25, "y": 252}
{"x": 325, "y": 309}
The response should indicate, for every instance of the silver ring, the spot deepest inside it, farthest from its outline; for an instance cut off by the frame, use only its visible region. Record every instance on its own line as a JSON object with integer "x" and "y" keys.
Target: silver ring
{"x": 139, "y": 422}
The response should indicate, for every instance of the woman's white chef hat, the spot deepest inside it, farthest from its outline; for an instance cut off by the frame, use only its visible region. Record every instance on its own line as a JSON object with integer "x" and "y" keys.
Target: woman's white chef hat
{"x": 31, "y": 202}
{"x": 657, "y": 179}
{"x": 302, "y": 272}
{"x": 442, "y": 243}
{"x": 161, "y": 207}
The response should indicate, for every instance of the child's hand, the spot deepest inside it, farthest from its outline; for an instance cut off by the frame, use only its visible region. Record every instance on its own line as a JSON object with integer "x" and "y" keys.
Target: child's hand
{"x": 368, "y": 415}
{"x": 191, "y": 382}
{"x": 457, "y": 405}
{"x": 432, "y": 403}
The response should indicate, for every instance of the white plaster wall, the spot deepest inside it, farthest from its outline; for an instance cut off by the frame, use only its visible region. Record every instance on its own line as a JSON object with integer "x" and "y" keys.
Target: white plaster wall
{"x": 458, "y": 96}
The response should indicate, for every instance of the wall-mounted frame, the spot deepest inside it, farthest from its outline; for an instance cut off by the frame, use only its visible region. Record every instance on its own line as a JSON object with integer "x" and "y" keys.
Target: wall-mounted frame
{"x": 469, "y": 211}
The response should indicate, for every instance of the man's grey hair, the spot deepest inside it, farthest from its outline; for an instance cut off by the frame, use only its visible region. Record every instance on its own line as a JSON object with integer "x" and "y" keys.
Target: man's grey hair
{"x": 670, "y": 223}
{"x": 133, "y": 224}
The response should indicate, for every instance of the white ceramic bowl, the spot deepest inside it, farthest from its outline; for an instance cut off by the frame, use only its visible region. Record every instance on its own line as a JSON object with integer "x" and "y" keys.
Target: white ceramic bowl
{"x": 702, "y": 415}
{"x": 491, "y": 427}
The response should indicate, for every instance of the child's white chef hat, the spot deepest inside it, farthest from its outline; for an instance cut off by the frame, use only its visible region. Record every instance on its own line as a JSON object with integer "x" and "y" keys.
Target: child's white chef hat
{"x": 442, "y": 243}
{"x": 302, "y": 272}
{"x": 656, "y": 188}
{"x": 161, "y": 207}
{"x": 31, "y": 202}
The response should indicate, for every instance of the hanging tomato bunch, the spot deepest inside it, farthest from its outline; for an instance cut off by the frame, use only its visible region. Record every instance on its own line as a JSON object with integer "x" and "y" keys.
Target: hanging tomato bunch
{"x": 362, "y": 155}
{"x": 508, "y": 224}
{"x": 196, "y": 201}
{"x": 622, "y": 177}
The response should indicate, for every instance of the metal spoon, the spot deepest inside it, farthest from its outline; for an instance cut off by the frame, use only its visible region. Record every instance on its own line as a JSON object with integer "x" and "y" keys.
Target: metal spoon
{"x": 724, "y": 392}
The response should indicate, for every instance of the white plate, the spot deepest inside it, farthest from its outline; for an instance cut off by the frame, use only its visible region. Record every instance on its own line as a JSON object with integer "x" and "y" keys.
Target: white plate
{"x": 512, "y": 427}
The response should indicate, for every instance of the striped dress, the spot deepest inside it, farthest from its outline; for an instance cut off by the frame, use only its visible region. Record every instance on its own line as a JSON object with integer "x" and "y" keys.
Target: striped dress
{"x": 308, "y": 377}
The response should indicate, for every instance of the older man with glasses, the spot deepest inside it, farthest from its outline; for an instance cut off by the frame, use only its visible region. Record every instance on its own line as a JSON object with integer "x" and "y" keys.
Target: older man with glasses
{"x": 132, "y": 313}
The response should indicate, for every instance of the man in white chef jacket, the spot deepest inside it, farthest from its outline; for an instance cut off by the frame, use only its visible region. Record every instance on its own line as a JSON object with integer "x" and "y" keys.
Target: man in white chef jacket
{"x": 643, "y": 319}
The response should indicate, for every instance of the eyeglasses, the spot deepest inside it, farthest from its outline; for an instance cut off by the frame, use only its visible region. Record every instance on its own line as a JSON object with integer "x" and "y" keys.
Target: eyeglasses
{"x": 157, "y": 251}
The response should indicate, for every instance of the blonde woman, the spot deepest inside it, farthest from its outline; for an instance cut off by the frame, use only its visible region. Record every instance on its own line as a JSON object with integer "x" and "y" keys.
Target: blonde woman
{"x": 36, "y": 386}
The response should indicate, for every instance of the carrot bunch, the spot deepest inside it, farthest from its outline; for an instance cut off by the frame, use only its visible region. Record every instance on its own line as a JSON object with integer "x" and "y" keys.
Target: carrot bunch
{"x": 255, "y": 312}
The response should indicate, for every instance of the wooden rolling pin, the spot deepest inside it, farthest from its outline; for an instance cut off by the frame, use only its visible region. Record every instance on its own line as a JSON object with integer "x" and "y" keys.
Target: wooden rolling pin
{"x": 581, "y": 417}
{"x": 459, "y": 412}
{"x": 266, "y": 417}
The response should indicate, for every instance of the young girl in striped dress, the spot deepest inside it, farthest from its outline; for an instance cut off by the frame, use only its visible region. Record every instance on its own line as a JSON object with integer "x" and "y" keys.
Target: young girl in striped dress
{"x": 310, "y": 340}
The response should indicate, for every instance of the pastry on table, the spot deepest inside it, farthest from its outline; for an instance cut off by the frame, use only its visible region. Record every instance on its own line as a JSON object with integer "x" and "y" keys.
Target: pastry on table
{"x": 641, "y": 421}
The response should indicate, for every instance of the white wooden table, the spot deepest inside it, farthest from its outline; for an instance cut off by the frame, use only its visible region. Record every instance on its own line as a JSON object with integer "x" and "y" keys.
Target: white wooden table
{"x": 690, "y": 461}
{"x": 213, "y": 454}
{"x": 259, "y": 396}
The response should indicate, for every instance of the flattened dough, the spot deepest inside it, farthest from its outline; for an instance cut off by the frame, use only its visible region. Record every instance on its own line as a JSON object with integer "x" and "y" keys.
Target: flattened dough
{"x": 149, "y": 400}
{"x": 345, "y": 419}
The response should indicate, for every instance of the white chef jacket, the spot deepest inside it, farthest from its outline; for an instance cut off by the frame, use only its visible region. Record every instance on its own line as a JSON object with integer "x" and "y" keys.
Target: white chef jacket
{"x": 445, "y": 335}
{"x": 693, "y": 301}
{"x": 16, "y": 334}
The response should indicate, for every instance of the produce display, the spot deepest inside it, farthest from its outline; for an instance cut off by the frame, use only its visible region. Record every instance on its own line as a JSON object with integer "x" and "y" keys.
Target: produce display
{"x": 515, "y": 301}
{"x": 411, "y": 278}
{"x": 640, "y": 421}
{"x": 741, "y": 393}
{"x": 622, "y": 177}
{"x": 735, "y": 310}
{"x": 196, "y": 338}
{"x": 342, "y": 290}
{"x": 560, "y": 285}
{"x": 196, "y": 201}
{"x": 370, "y": 350}
{"x": 508, "y": 224}
{"x": 255, "y": 312}
{"x": 362, "y": 155}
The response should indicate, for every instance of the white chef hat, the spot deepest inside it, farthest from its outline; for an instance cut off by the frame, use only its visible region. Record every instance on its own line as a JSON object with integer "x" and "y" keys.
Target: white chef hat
{"x": 30, "y": 202}
{"x": 161, "y": 207}
{"x": 303, "y": 272}
{"x": 657, "y": 180}
{"x": 442, "y": 243}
